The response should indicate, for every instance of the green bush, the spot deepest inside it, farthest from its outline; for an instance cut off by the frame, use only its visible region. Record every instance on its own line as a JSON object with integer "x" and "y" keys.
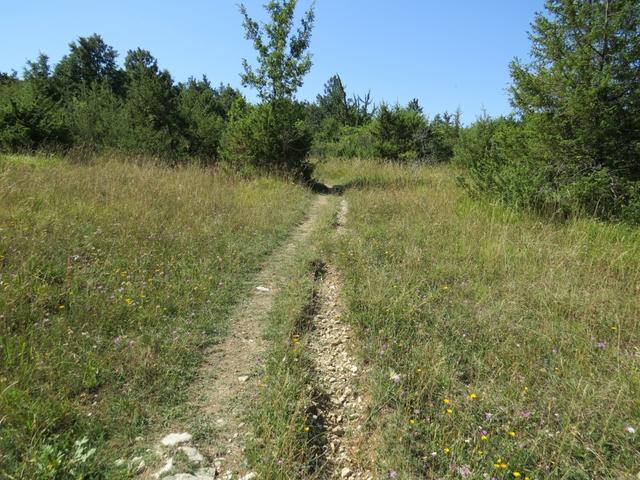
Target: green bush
{"x": 268, "y": 138}
{"x": 503, "y": 157}
{"x": 397, "y": 131}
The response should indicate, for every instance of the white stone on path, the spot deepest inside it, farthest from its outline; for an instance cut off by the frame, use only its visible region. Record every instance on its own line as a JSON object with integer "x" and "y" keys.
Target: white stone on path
{"x": 345, "y": 472}
{"x": 192, "y": 454}
{"x": 176, "y": 439}
{"x": 165, "y": 469}
{"x": 243, "y": 378}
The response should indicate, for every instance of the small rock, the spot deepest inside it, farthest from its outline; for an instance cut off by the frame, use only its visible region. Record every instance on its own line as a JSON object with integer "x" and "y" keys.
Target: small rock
{"x": 192, "y": 454}
{"x": 206, "y": 472}
{"x": 176, "y": 439}
{"x": 354, "y": 369}
{"x": 250, "y": 476}
{"x": 182, "y": 476}
{"x": 262, "y": 289}
{"x": 120, "y": 462}
{"x": 345, "y": 472}
{"x": 141, "y": 466}
{"x": 165, "y": 469}
{"x": 243, "y": 378}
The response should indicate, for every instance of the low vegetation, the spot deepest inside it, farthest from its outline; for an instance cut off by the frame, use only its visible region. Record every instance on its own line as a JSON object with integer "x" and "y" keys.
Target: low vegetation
{"x": 498, "y": 345}
{"x": 114, "y": 278}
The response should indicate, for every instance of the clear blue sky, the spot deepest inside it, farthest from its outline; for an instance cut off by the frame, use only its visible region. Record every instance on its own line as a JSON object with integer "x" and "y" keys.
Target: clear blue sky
{"x": 446, "y": 54}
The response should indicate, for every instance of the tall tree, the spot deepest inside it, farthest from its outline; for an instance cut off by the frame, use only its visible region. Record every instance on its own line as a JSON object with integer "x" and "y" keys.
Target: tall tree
{"x": 89, "y": 61}
{"x": 581, "y": 91}
{"x": 283, "y": 57}
{"x": 273, "y": 135}
{"x": 152, "y": 106}
{"x": 333, "y": 103}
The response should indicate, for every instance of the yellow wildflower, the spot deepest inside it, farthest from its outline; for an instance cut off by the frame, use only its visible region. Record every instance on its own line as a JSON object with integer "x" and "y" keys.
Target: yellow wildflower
{"x": 473, "y": 396}
{"x": 447, "y": 450}
{"x": 306, "y": 428}
{"x": 516, "y": 474}
{"x": 484, "y": 438}
{"x": 512, "y": 434}
{"x": 449, "y": 410}
{"x": 446, "y": 401}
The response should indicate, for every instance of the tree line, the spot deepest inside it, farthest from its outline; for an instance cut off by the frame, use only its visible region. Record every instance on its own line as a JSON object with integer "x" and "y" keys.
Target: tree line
{"x": 571, "y": 145}
{"x": 88, "y": 103}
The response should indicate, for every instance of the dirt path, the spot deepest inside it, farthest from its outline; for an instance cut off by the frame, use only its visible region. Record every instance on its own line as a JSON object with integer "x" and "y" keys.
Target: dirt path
{"x": 339, "y": 405}
{"x": 228, "y": 379}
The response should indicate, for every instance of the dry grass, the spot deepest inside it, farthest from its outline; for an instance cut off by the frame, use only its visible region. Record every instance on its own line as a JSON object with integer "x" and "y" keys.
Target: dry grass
{"x": 113, "y": 279}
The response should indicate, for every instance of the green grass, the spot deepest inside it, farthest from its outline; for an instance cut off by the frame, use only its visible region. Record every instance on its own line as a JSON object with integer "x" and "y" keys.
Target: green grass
{"x": 528, "y": 331}
{"x": 114, "y": 277}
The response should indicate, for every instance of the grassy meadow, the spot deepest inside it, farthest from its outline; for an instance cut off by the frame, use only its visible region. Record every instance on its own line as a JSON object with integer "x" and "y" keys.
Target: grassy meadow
{"x": 114, "y": 277}
{"x": 496, "y": 344}
{"x": 499, "y": 345}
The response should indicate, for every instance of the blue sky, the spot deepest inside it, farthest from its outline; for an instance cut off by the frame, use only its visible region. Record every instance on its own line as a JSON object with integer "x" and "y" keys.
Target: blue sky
{"x": 446, "y": 54}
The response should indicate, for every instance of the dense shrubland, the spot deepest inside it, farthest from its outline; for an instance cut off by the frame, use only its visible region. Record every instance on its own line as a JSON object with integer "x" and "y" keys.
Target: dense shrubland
{"x": 573, "y": 143}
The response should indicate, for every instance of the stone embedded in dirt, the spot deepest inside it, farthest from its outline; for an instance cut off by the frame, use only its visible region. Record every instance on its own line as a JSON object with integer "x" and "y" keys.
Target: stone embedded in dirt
{"x": 346, "y": 472}
{"x": 207, "y": 472}
{"x": 141, "y": 465}
{"x": 176, "y": 439}
{"x": 165, "y": 469}
{"x": 192, "y": 454}
{"x": 243, "y": 378}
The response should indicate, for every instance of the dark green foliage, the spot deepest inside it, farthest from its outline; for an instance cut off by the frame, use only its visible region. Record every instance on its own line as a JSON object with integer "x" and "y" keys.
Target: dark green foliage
{"x": 437, "y": 141}
{"x": 30, "y": 115}
{"x": 90, "y": 61}
{"x": 151, "y": 108}
{"x": 205, "y": 111}
{"x": 89, "y": 104}
{"x": 397, "y": 132}
{"x": 576, "y": 146}
{"x": 275, "y": 139}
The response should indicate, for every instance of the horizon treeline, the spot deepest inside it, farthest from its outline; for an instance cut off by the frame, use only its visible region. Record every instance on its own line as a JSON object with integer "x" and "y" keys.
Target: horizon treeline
{"x": 88, "y": 103}
{"x": 570, "y": 147}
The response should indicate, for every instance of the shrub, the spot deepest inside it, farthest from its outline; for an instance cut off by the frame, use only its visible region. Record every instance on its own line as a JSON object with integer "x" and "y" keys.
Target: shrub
{"x": 266, "y": 138}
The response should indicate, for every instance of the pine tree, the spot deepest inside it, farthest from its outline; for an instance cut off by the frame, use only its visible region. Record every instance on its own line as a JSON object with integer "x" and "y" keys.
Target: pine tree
{"x": 581, "y": 91}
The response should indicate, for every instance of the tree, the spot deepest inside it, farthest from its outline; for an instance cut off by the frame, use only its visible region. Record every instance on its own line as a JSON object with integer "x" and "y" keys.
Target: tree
{"x": 151, "y": 107}
{"x": 283, "y": 56}
{"x": 582, "y": 87}
{"x": 333, "y": 103}
{"x": 397, "y": 132}
{"x": 273, "y": 135}
{"x": 205, "y": 110}
{"x": 89, "y": 61}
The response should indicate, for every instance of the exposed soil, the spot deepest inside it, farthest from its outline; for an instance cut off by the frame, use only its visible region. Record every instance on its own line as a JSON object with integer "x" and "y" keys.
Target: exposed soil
{"x": 227, "y": 381}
